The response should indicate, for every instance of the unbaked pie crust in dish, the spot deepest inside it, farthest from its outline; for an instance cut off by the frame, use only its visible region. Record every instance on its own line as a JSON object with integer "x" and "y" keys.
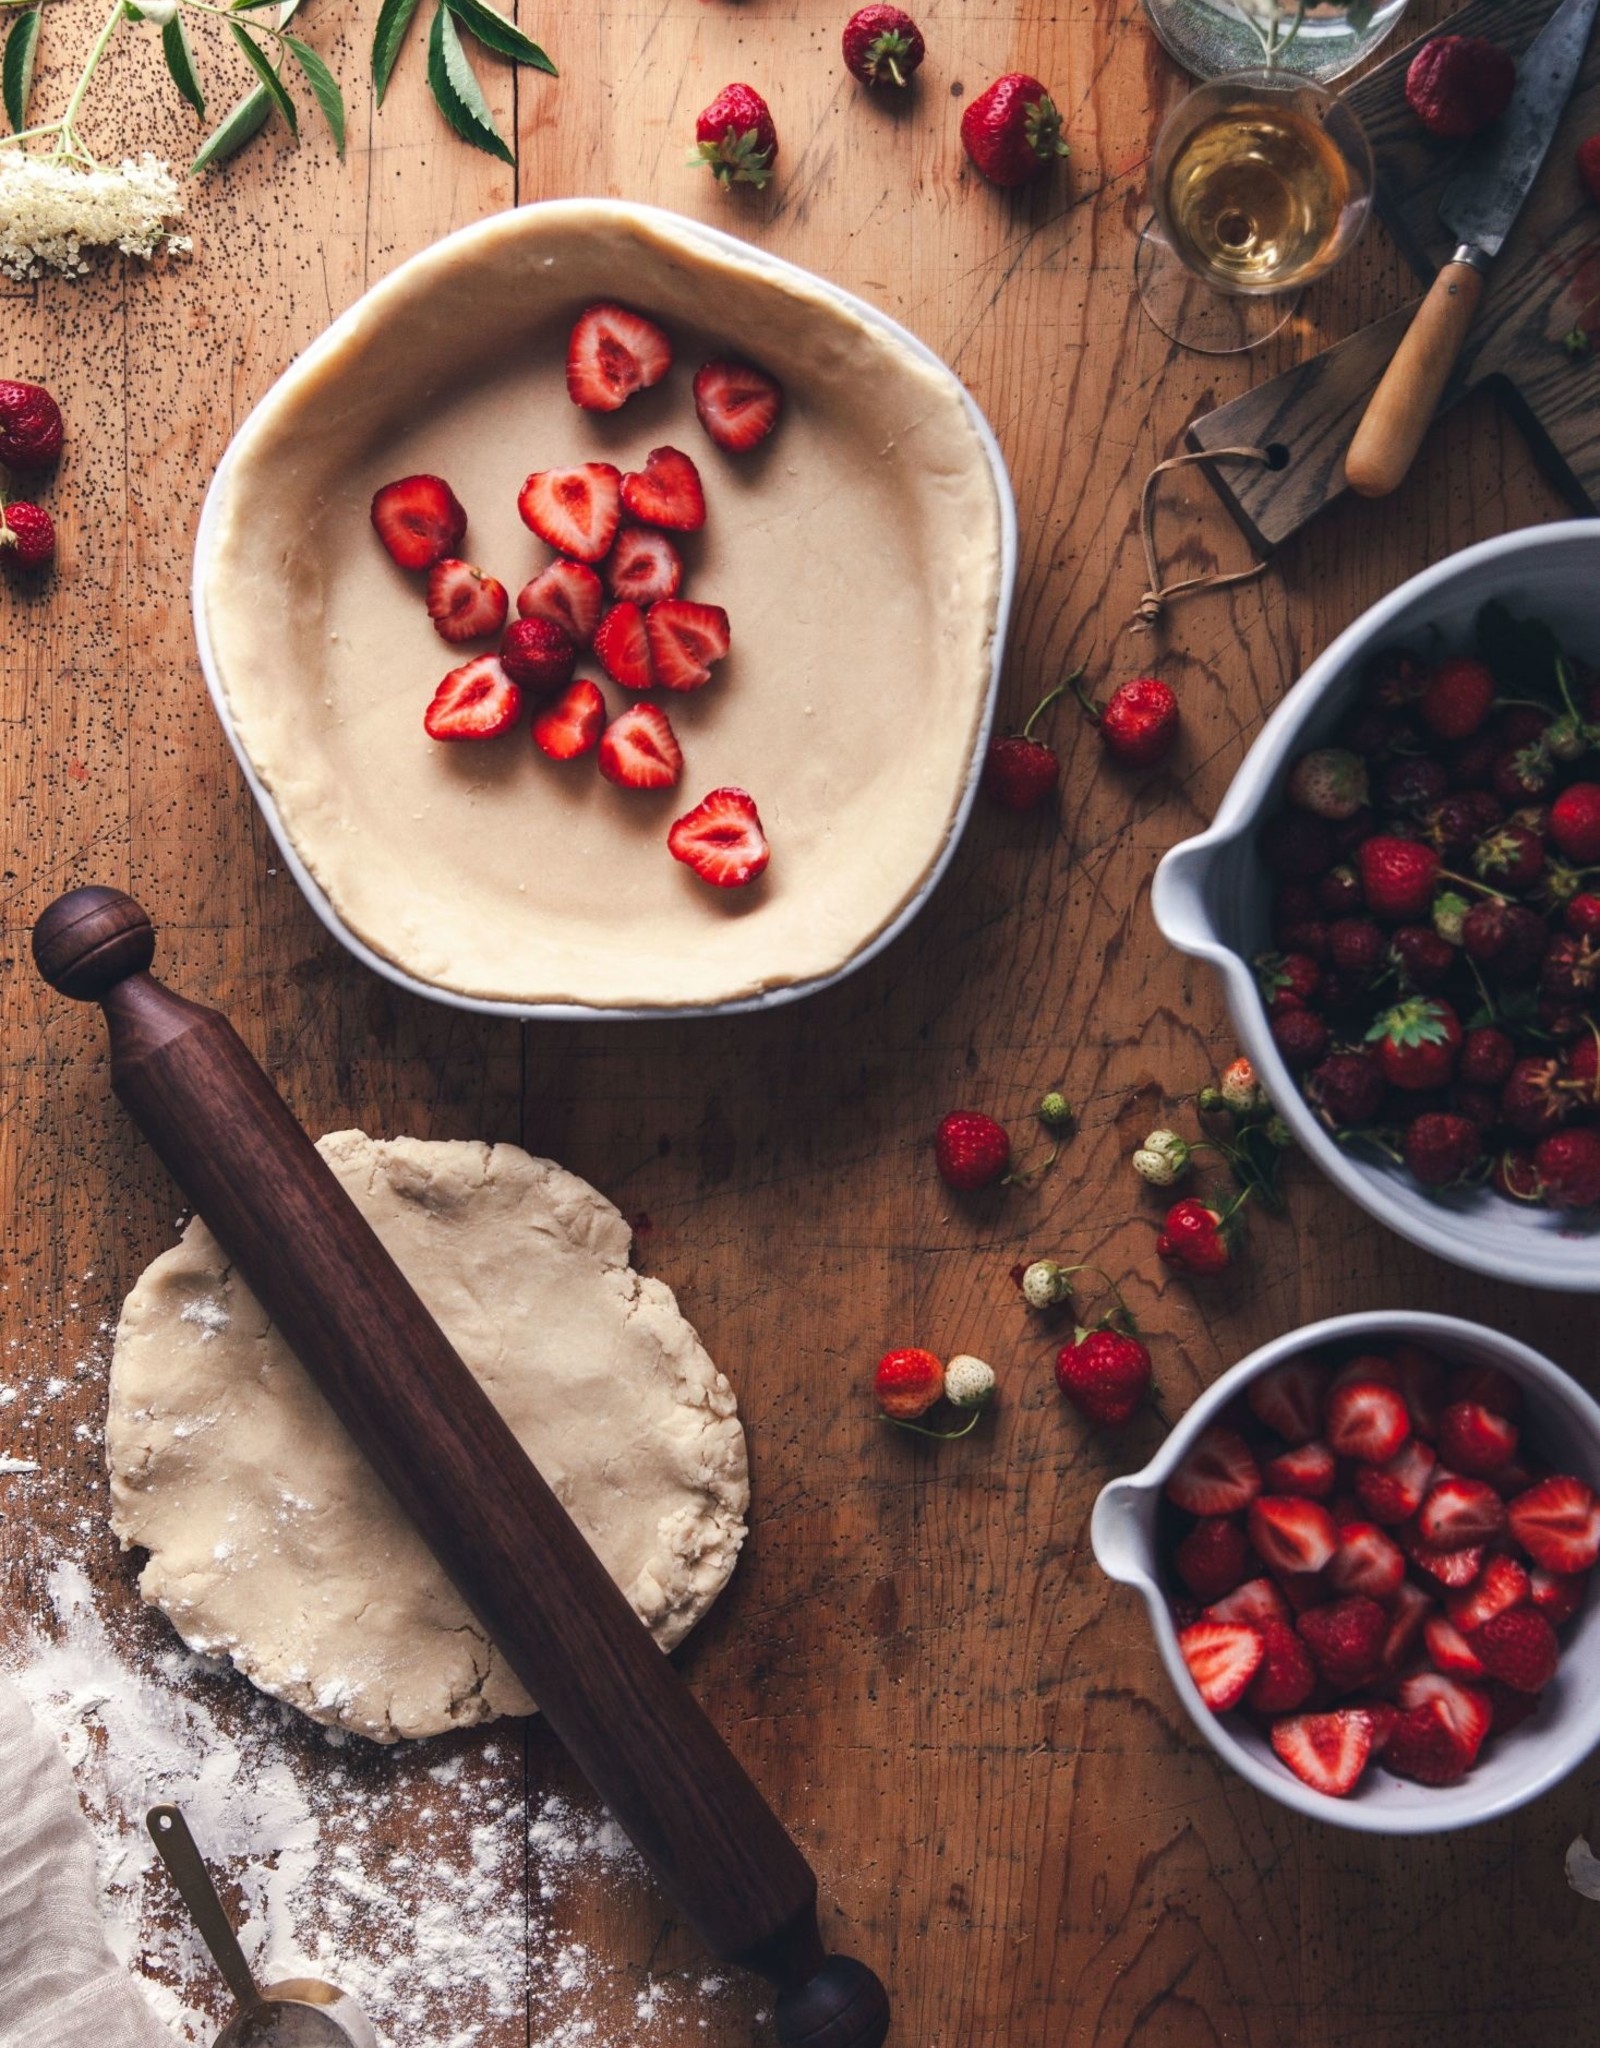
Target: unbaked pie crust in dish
{"x": 864, "y": 555}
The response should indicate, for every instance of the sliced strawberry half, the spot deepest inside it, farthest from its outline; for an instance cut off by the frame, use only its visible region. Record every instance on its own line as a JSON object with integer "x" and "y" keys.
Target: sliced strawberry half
{"x": 1423, "y": 1745}
{"x": 1464, "y": 1707}
{"x": 613, "y": 352}
{"x": 643, "y": 566}
{"x": 1257, "y": 1600}
{"x": 1449, "y": 1648}
{"x": 1223, "y": 1657}
{"x": 573, "y": 723}
{"x": 419, "y": 519}
{"x": 1289, "y": 1399}
{"x": 686, "y": 640}
{"x": 1557, "y": 1523}
{"x": 537, "y": 654}
{"x": 464, "y": 603}
{"x": 568, "y": 594}
{"x": 478, "y": 701}
{"x": 639, "y": 749}
{"x": 1408, "y": 1611}
{"x": 1292, "y": 1534}
{"x": 722, "y": 840}
{"x": 1309, "y": 1469}
{"x": 1366, "y": 1561}
{"x": 666, "y": 492}
{"x": 1391, "y": 1493}
{"x": 1519, "y": 1648}
{"x": 1452, "y": 1567}
{"x": 1557, "y": 1595}
{"x": 1458, "y": 1512}
{"x": 1217, "y": 1476}
{"x": 1286, "y": 1677}
{"x": 1500, "y": 1585}
{"x": 623, "y": 648}
{"x": 1475, "y": 1441}
{"x": 737, "y": 403}
{"x": 576, "y": 510}
{"x": 1367, "y": 1421}
{"x": 1328, "y": 1752}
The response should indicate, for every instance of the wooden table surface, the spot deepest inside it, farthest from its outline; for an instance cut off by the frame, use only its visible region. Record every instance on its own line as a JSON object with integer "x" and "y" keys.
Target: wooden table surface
{"x": 966, "y": 1727}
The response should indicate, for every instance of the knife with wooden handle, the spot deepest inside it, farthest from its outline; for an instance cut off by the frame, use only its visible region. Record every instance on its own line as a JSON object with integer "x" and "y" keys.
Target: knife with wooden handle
{"x": 1479, "y": 207}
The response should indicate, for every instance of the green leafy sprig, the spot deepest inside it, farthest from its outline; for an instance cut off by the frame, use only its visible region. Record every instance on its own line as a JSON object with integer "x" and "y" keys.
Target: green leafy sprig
{"x": 451, "y": 78}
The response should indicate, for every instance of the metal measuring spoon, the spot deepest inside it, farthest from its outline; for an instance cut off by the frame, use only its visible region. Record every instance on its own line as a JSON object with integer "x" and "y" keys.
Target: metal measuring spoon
{"x": 301, "y": 2012}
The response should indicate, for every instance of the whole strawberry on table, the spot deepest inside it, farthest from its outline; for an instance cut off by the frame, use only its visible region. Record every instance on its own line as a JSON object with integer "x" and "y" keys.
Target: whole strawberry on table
{"x": 1436, "y": 922}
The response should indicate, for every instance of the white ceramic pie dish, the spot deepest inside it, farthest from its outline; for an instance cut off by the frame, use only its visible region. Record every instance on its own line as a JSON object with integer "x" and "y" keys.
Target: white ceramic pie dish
{"x": 934, "y": 436}
{"x": 1212, "y": 894}
{"x": 1518, "y": 1766}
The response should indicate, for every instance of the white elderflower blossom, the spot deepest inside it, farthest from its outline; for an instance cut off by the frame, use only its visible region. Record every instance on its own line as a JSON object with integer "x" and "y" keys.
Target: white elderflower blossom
{"x": 52, "y": 214}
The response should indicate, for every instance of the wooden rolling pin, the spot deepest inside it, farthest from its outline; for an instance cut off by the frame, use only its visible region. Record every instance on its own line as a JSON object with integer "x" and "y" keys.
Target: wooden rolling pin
{"x": 431, "y": 1434}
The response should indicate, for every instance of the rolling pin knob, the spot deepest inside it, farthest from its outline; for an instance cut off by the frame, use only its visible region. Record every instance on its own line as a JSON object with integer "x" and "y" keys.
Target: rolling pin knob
{"x": 842, "y": 2006}
{"x": 89, "y": 940}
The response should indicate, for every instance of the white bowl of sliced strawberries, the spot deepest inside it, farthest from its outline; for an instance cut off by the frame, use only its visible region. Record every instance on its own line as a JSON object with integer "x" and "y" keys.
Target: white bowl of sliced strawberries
{"x": 1366, "y": 1554}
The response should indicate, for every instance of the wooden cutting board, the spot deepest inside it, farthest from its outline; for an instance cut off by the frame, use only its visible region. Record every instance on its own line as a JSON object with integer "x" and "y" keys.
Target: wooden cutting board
{"x": 1546, "y": 282}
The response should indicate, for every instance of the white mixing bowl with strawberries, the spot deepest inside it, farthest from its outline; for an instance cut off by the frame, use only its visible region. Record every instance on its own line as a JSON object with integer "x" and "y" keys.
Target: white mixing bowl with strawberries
{"x": 1366, "y": 1554}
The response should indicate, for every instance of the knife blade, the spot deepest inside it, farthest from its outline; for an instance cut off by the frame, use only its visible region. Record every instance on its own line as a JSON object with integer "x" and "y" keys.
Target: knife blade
{"x": 1479, "y": 207}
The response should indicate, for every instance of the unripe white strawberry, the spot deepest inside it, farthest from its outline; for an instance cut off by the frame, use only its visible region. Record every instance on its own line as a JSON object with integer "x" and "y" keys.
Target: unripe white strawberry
{"x": 1045, "y": 1284}
{"x": 1162, "y": 1159}
{"x": 1239, "y": 1088}
{"x": 1330, "y": 782}
{"x": 968, "y": 1382}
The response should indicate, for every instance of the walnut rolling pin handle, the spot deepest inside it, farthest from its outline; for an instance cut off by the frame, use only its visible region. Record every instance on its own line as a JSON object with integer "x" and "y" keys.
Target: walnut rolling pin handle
{"x": 435, "y": 1440}
{"x": 1400, "y": 411}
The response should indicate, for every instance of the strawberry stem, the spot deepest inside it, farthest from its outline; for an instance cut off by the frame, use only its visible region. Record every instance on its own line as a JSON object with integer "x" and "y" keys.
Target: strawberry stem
{"x": 1044, "y": 703}
{"x": 1091, "y": 710}
{"x": 1471, "y": 882}
{"x": 940, "y": 1436}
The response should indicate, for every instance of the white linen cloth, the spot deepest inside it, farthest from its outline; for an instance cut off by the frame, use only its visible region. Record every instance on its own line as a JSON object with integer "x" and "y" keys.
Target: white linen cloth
{"x": 60, "y": 1985}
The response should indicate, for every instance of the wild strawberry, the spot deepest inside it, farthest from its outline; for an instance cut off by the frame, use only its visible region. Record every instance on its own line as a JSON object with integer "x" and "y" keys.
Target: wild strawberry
{"x": 1330, "y": 782}
{"x": 1398, "y": 877}
{"x": 1459, "y": 697}
{"x": 1581, "y": 914}
{"x": 970, "y": 1150}
{"x": 1533, "y": 1102}
{"x": 1509, "y": 857}
{"x": 612, "y": 353}
{"x": 538, "y": 655}
{"x": 906, "y": 1383}
{"x": 1328, "y": 1752}
{"x": 1345, "y": 1638}
{"x": 1302, "y": 1039}
{"x": 685, "y": 641}
{"x": 1392, "y": 1493}
{"x": 1257, "y": 1601}
{"x": 1474, "y": 1441}
{"x": 1571, "y": 968}
{"x": 1519, "y": 1648}
{"x": 1557, "y": 1522}
{"x": 1108, "y": 1375}
{"x": 576, "y": 510}
{"x": 721, "y": 839}
{"x": 1286, "y": 1677}
{"x": 1339, "y": 892}
{"x": 569, "y": 595}
{"x": 1575, "y": 822}
{"x": 1456, "y": 823}
{"x": 31, "y": 428}
{"x": 1138, "y": 723}
{"x": 622, "y": 648}
{"x": 639, "y": 749}
{"x": 1503, "y": 1584}
{"x": 1213, "y": 1558}
{"x": 419, "y": 519}
{"x": 1449, "y": 1649}
{"x": 1487, "y": 1057}
{"x": 737, "y": 404}
{"x": 1417, "y": 1042}
{"x": 1366, "y": 1420}
{"x": 666, "y": 492}
{"x": 1292, "y": 1534}
{"x": 1223, "y": 1657}
{"x": 1586, "y": 157}
{"x": 1441, "y": 1148}
{"x": 464, "y": 603}
{"x": 1309, "y": 1469}
{"x": 1020, "y": 772}
{"x": 1557, "y": 1595}
{"x": 572, "y": 724}
{"x": 735, "y": 138}
{"x": 27, "y": 536}
{"x": 882, "y": 45}
{"x": 1288, "y": 981}
{"x": 1356, "y": 945}
{"x": 1510, "y": 938}
{"x": 1458, "y": 1512}
{"x": 1458, "y": 85}
{"x": 1366, "y": 1561}
{"x": 1347, "y": 1089}
{"x": 1012, "y": 130}
{"x": 1288, "y": 1399}
{"x": 1414, "y": 783}
{"x": 1192, "y": 1236}
{"x": 478, "y": 701}
{"x": 1216, "y": 1476}
{"x": 643, "y": 566}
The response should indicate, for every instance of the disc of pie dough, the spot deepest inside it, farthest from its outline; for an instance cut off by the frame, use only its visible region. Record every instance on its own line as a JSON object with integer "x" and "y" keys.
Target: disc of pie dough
{"x": 271, "y": 1542}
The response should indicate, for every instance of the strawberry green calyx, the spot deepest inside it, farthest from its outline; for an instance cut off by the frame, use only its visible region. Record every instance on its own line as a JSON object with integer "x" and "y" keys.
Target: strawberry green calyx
{"x": 1449, "y": 915}
{"x": 886, "y": 55}
{"x": 1042, "y": 128}
{"x": 737, "y": 157}
{"x": 1414, "y": 1022}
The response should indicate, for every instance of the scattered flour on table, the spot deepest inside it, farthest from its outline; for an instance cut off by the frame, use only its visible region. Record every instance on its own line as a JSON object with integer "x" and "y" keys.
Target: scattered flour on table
{"x": 397, "y": 1873}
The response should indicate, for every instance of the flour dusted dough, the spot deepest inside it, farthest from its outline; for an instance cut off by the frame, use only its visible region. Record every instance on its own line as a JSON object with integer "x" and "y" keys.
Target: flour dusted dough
{"x": 271, "y": 1542}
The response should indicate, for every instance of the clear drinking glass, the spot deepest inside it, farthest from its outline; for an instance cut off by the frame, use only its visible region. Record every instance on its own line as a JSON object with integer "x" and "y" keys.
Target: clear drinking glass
{"x": 1322, "y": 39}
{"x": 1260, "y": 182}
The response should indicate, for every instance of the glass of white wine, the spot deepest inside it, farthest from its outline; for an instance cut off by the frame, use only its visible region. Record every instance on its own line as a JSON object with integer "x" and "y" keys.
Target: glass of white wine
{"x": 1260, "y": 182}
